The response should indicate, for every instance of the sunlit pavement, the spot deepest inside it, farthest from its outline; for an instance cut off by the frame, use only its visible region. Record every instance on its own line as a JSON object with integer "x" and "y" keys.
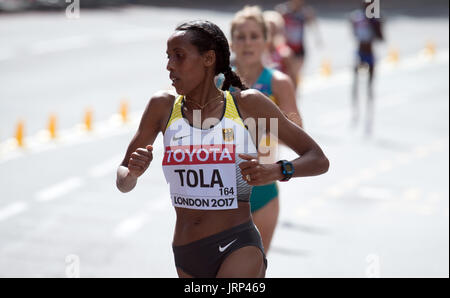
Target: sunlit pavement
{"x": 381, "y": 211}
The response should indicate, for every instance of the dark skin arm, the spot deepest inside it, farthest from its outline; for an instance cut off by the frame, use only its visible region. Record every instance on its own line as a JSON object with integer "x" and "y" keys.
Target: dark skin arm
{"x": 139, "y": 153}
{"x": 312, "y": 160}
{"x": 378, "y": 30}
{"x": 284, "y": 92}
{"x": 252, "y": 104}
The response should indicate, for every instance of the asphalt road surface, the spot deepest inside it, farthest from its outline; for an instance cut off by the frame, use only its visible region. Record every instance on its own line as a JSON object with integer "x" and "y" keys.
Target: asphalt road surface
{"x": 382, "y": 210}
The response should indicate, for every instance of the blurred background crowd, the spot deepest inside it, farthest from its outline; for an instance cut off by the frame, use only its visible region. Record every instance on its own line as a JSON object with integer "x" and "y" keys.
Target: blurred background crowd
{"x": 418, "y": 7}
{"x": 72, "y": 92}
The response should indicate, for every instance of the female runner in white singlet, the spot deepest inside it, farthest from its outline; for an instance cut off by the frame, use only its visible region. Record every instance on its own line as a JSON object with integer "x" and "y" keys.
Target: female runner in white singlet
{"x": 210, "y": 157}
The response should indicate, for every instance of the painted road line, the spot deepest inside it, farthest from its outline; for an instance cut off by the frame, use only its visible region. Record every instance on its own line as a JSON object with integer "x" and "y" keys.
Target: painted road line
{"x": 111, "y": 127}
{"x": 106, "y": 167}
{"x": 130, "y": 225}
{"x": 136, "y": 222}
{"x": 69, "y": 137}
{"x": 59, "y": 45}
{"x": 316, "y": 82}
{"x": 340, "y": 116}
{"x": 6, "y": 54}
{"x": 412, "y": 194}
{"x": 136, "y": 35}
{"x": 12, "y": 210}
{"x": 60, "y": 189}
{"x": 375, "y": 193}
{"x": 338, "y": 189}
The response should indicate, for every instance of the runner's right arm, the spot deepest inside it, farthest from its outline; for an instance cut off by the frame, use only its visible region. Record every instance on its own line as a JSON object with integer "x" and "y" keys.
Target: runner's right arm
{"x": 139, "y": 153}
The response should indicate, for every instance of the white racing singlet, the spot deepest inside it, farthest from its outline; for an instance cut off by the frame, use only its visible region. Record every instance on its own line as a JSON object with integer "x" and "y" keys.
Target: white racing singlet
{"x": 201, "y": 165}
{"x": 362, "y": 27}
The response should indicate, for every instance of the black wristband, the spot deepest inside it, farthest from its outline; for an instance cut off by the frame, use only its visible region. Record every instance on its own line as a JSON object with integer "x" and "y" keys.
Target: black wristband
{"x": 287, "y": 169}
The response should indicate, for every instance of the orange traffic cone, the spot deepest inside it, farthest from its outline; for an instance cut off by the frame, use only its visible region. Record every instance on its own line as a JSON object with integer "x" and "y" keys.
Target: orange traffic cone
{"x": 124, "y": 110}
{"x": 430, "y": 49}
{"x": 20, "y": 133}
{"x": 325, "y": 69}
{"x": 52, "y": 126}
{"x": 393, "y": 56}
{"x": 88, "y": 116}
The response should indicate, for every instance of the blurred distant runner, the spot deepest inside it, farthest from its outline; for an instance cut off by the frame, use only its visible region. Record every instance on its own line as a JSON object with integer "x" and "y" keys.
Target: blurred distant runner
{"x": 249, "y": 36}
{"x": 366, "y": 31}
{"x": 296, "y": 16}
{"x": 279, "y": 55}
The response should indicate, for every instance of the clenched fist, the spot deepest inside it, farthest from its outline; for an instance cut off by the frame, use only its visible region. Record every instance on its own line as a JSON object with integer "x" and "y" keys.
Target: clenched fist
{"x": 140, "y": 160}
{"x": 258, "y": 174}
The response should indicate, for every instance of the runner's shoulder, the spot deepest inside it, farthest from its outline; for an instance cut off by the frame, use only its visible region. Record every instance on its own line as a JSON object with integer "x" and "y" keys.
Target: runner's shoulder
{"x": 162, "y": 99}
{"x": 250, "y": 96}
{"x": 159, "y": 106}
{"x": 279, "y": 77}
{"x": 253, "y": 102}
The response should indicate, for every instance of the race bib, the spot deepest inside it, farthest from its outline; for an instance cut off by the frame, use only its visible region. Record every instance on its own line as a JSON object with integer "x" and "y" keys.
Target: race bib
{"x": 201, "y": 176}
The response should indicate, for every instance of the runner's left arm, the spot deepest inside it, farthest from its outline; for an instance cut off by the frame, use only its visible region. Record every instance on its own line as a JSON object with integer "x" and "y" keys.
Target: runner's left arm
{"x": 284, "y": 91}
{"x": 311, "y": 161}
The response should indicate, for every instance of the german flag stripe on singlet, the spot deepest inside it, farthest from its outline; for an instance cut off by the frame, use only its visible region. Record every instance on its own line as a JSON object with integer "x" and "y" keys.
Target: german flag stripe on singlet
{"x": 176, "y": 111}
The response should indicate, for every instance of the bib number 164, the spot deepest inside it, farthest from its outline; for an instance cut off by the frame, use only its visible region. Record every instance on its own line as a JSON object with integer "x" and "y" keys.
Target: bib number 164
{"x": 226, "y": 191}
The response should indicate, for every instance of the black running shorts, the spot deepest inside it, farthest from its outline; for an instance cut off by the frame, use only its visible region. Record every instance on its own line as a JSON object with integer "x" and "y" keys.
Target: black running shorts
{"x": 203, "y": 258}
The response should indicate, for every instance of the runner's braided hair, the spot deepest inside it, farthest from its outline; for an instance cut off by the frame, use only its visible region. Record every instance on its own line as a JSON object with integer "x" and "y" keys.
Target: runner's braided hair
{"x": 208, "y": 36}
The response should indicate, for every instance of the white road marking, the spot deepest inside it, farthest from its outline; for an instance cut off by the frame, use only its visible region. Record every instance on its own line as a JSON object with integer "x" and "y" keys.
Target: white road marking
{"x": 134, "y": 223}
{"x": 384, "y": 166}
{"x": 423, "y": 209}
{"x": 6, "y": 54}
{"x": 350, "y": 182}
{"x": 60, "y": 189}
{"x": 341, "y": 115}
{"x": 416, "y": 200}
{"x": 368, "y": 173}
{"x": 411, "y": 194}
{"x": 375, "y": 193}
{"x": 106, "y": 167}
{"x": 62, "y": 44}
{"x": 69, "y": 137}
{"x": 435, "y": 197}
{"x": 12, "y": 209}
{"x": 111, "y": 127}
{"x": 404, "y": 158}
{"x": 302, "y": 212}
{"x": 137, "y": 35}
{"x": 130, "y": 225}
{"x": 65, "y": 187}
{"x": 439, "y": 145}
{"x": 334, "y": 191}
{"x": 317, "y": 82}
{"x": 422, "y": 151}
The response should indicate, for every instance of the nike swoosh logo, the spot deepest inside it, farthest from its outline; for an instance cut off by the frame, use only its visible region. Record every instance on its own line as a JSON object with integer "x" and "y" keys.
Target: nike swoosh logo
{"x": 179, "y": 138}
{"x": 222, "y": 249}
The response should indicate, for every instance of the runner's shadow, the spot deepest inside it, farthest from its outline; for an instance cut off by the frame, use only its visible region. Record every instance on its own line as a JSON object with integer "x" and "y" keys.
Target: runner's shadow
{"x": 303, "y": 228}
{"x": 289, "y": 252}
{"x": 390, "y": 144}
